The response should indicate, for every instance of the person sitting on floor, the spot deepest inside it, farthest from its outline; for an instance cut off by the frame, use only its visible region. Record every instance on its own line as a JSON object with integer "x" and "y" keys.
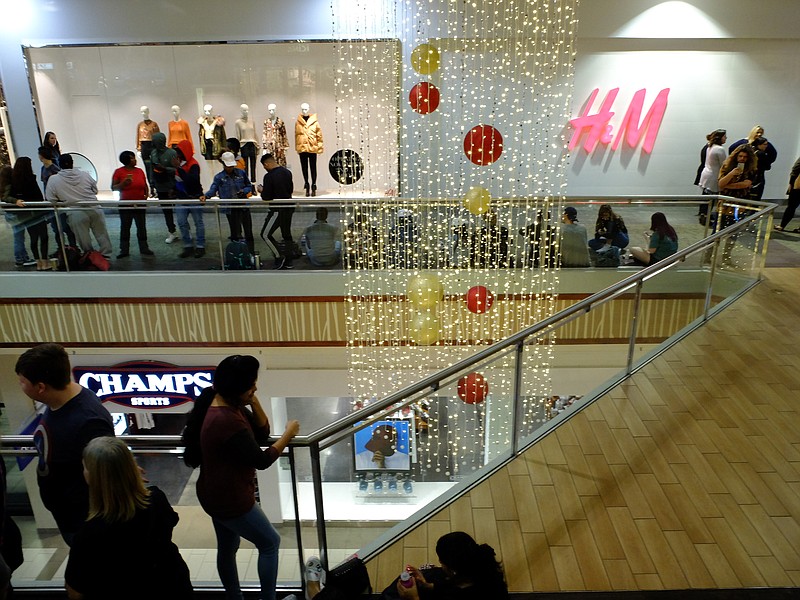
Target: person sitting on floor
{"x": 663, "y": 241}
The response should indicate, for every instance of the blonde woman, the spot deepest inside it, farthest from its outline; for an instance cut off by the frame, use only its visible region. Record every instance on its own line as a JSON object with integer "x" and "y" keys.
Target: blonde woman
{"x": 125, "y": 549}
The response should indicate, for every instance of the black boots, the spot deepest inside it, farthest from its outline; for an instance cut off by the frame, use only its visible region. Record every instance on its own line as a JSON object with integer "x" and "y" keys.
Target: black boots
{"x": 313, "y": 190}
{"x": 306, "y": 188}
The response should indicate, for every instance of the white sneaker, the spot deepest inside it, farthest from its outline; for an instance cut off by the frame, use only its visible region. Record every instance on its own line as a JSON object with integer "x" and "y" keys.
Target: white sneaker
{"x": 314, "y": 570}
{"x": 171, "y": 238}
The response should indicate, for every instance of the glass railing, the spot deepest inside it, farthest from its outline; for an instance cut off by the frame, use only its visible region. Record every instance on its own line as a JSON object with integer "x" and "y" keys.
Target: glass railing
{"x": 434, "y": 243}
{"x": 455, "y": 427}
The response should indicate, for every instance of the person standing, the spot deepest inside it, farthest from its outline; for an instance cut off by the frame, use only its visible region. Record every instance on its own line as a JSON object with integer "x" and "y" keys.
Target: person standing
{"x": 322, "y": 241}
{"x": 136, "y": 521}
{"x": 223, "y": 436}
{"x": 229, "y": 184}
{"x": 50, "y": 141}
{"x": 73, "y": 186}
{"x": 189, "y": 188}
{"x": 50, "y": 168}
{"x": 763, "y": 164}
{"x": 131, "y": 184}
{"x": 278, "y": 185}
{"x": 14, "y": 219}
{"x": 574, "y": 240}
{"x": 709, "y": 176}
{"x": 72, "y": 418}
{"x": 164, "y": 161}
{"x": 794, "y": 198}
{"x": 25, "y": 189}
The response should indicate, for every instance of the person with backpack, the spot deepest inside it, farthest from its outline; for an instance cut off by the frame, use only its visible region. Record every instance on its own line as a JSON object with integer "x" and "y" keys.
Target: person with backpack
{"x": 230, "y": 184}
{"x": 609, "y": 230}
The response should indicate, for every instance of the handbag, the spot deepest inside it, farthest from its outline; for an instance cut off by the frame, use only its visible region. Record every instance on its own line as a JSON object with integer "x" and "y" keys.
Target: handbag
{"x": 350, "y": 577}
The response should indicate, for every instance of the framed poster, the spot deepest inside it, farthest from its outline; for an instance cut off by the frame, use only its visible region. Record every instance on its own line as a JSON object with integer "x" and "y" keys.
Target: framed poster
{"x": 383, "y": 446}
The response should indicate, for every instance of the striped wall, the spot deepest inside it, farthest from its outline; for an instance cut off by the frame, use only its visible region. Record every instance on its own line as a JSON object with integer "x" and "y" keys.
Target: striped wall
{"x": 301, "y": 321}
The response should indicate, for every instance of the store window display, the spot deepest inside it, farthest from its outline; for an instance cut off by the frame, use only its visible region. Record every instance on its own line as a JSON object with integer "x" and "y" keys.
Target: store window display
{"x": 246, "y": 134}
{"x": 178, "y": 129}
{"x": 308, "y": 143}
{"x": 144, "y": 141}
{"x": 211, "y": 133}
{"x": 274, "y": 140}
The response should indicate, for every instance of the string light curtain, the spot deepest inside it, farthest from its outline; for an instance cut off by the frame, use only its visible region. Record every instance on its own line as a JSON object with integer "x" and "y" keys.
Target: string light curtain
{"x": 457, "y": 111}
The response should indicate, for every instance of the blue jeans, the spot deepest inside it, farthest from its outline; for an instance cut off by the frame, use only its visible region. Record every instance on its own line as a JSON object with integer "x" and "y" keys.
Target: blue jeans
{"x": 18, "y": 230}
{"x": 256, "y": 528}
{"x": 183, "y": 211}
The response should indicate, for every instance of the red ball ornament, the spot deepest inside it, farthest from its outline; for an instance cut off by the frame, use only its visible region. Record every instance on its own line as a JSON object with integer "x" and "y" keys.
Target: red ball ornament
{"x": 473, "y": 388}
{"x": 424, "y": 98}
{"x": 483, "y": 144}
{"x": 479, "y": 300}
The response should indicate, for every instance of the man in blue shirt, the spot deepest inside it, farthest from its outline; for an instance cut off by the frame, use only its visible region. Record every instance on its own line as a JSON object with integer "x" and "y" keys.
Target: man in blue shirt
{"x": 230, "y": 184}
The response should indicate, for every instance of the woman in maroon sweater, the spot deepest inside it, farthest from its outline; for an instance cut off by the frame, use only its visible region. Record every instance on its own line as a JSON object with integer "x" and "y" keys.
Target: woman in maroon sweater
{"x": 223, "y": 437}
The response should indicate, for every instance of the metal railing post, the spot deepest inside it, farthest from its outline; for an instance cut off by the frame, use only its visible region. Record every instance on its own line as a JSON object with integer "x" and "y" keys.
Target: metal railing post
{"x": 517, "y": 416}
{"x": 712, "y": 273}
{"x": 637, "y": 305}
{"x": 219, "y": 238}
{"x": 316, "y": 479}
{"x": 298, "y": 530}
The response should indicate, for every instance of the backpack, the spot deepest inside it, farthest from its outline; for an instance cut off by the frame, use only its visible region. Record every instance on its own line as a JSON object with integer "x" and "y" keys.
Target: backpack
{"x": 73, "y": 258}
{"x": 609, "y": 258}
{"x": 93, "y": 261}
{"x": 237, "y": 256}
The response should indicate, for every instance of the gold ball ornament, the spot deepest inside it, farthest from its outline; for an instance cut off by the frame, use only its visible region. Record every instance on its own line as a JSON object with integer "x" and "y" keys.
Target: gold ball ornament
{"x": 425, "y": 59}
{"x": 478, "y": 200}
{"x": 425, "y": 290}
{"x": 425, "y": 328}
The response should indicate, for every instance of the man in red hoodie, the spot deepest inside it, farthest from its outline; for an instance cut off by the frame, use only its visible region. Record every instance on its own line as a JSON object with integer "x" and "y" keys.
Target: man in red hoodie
{"x": 189, "y": 187}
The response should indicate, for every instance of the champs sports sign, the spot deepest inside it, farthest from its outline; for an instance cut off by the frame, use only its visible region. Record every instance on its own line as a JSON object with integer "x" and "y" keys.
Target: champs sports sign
{"x": 146, "y": 385}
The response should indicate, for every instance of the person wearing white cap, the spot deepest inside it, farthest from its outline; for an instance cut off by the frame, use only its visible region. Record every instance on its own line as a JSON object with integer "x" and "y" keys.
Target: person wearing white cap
{"x": 232, "y": 183}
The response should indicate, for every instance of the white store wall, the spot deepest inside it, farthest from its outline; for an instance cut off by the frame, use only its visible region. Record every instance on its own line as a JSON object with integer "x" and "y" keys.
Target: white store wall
{"x": 728, "y": 65}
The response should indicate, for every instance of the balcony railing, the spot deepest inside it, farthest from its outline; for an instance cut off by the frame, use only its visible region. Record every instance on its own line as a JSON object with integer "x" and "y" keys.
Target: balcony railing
{"x": 453, "y": 441}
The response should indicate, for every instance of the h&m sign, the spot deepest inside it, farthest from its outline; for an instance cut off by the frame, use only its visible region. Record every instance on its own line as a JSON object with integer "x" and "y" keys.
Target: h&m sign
{"x": 598, "y": 129}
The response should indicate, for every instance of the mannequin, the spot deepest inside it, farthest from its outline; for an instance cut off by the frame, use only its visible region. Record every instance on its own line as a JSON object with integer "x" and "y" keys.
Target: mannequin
{"x": 246, "y": 134}
{"x": 144, "y": 143}
{"x": 178, "y": 129}
{"x": 211, "y": 133}
{"x": 274, "y": 140}
{"x": 308, "y": 143}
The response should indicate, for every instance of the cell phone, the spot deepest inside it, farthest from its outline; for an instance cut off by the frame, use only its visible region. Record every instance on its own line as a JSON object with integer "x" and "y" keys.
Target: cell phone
{"x": 740, "y": 167}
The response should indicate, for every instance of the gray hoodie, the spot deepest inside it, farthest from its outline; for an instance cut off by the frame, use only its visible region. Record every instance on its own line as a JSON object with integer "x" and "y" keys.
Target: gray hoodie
{"x": 163, "y": 164}
{"x": 71, "y": 186}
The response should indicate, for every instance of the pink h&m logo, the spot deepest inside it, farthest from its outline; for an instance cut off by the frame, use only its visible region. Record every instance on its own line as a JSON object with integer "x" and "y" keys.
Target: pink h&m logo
{"x": 598, "y": 128}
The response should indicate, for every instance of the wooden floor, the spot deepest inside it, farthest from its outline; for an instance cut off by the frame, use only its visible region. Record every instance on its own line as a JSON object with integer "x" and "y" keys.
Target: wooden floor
{"x": 687, "y": 476}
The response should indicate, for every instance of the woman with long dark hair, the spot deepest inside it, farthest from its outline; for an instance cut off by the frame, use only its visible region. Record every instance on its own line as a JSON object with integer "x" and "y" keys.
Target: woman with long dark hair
{"x": 51, "y": 141}
{"x": 663, "y": 241}
{"x": 125, "y": 548}
{"x": 223, "y": 436}
{"x": 25, "y": 189}
{"x": 609, "y": 230}
{"x": 471, "y": 572}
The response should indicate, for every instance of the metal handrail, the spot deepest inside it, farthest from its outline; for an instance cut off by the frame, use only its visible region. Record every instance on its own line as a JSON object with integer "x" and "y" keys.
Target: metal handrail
{"x": 343, "y": 426}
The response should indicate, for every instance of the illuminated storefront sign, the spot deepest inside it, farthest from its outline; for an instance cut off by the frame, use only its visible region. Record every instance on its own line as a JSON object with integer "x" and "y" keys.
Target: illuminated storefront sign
{"x": 598, "y": 129}
{"x": 145, "y": 385}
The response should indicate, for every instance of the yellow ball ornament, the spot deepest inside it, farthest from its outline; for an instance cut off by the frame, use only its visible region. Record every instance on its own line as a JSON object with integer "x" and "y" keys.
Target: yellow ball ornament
{"x": 425, "y": 328}
{"x": 425, "y": 59}
{"x": 425, "y": 290}
{"x": 478, "y": 200}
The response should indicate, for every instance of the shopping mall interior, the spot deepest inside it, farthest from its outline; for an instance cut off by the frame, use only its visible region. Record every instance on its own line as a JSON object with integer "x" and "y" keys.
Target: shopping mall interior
{"x": 634, "y": 432}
